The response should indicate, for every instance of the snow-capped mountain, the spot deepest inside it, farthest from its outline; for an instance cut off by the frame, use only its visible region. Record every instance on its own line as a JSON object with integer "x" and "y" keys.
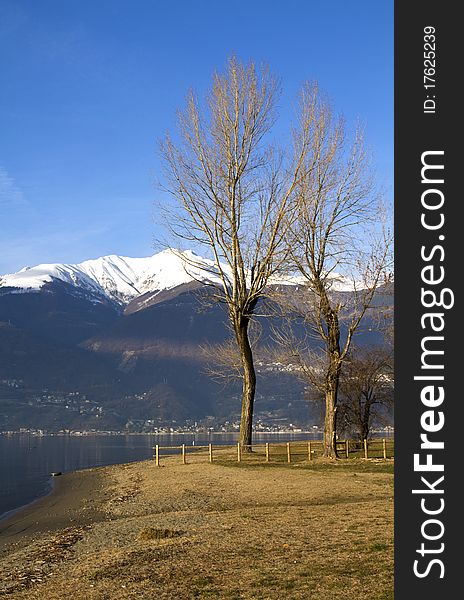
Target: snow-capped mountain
{"x": 122, "y": 279}
{"x": 118, "y": 278}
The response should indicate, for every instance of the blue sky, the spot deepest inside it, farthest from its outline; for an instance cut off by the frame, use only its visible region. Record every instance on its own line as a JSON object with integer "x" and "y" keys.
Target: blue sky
{"x": 87, "y": 88}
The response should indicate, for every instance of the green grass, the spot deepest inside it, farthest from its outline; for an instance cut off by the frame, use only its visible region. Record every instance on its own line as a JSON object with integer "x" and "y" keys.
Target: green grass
{"x": 379, "y": 547}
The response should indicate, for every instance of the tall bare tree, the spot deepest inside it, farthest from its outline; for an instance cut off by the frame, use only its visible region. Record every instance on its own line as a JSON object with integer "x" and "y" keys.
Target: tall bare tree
{"x": 233, "y": 194}
{"x": 337, "y": 229}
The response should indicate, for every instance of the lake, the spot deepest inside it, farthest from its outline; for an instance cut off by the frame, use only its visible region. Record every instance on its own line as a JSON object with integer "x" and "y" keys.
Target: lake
{"x": 26, "y": 461}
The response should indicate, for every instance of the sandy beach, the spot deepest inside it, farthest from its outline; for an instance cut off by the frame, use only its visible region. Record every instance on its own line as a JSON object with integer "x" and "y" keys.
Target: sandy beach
{"x": 202, "y": 530}
{"x": 69, "y": 503}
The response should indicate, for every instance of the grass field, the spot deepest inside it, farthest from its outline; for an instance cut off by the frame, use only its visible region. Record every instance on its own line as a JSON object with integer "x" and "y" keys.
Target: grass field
{"x": 319, "y": 530}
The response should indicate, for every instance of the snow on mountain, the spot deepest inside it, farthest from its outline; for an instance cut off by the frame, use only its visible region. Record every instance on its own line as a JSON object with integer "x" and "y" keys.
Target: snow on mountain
{"x": 121, "y": 278}
{"x": 117, "y": 277}
{"x": 338, "y": 283}
{"x": 34, "y": 278}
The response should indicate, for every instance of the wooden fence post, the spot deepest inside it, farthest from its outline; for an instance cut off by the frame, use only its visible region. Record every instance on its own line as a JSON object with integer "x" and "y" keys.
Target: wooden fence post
{"x": 347, "y": 448}
{"x": 267, "y": 451}
{"x": 384, "y": 443}
{"x": 157, "y": 456}
{"x": 183, "y": 454}
{"x": 365, "y": 448}
{"x": 239, "y": 452}
{"x": 210, "y": 448}
{"x": 289, "y": 456}
{"x": 309, "y": 451}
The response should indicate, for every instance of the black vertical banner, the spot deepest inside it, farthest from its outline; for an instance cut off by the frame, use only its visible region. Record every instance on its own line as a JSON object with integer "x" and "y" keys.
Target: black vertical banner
{"x": 429, "y": 241}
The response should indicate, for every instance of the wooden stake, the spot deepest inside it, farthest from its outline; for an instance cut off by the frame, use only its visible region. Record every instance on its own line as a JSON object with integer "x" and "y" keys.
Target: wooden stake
{"x": 309, "y": 451}
{"x": 239, "y": 452}
{"x": 157, "y": 456}
{"x": 183, "y": 454}
{"x": 267, "y": 452}
{"x": 210, "y": 448}
{"x": 347, "y": 448}
{"x": 365, "y": 448}
{"x": 384, "y": 443}
{"x": 289, "y": 456}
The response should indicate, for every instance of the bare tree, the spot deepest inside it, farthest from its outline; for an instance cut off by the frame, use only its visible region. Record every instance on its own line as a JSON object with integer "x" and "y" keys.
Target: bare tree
{"x": 337, "y": 229}
{"x": 366, "y": 385}
{"x": 233, "y": 194}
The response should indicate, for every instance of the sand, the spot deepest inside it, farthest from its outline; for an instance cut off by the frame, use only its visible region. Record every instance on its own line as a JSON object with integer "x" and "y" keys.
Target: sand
{"x": 72, "y": 501}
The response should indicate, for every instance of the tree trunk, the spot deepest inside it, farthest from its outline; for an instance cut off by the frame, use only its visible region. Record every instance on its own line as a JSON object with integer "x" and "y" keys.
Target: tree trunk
{"x": 330, "y": 421}
{"x": 364, "y": 432}
{"x": 332, "y": 379}
{"x": 365, "y": 420}
{"x": 249, "y": 384}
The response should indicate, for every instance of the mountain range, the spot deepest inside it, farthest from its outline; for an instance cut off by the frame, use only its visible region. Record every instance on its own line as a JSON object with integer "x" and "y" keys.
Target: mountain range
{"x": 115, "y": 343}
{"x": 118, "y": 279}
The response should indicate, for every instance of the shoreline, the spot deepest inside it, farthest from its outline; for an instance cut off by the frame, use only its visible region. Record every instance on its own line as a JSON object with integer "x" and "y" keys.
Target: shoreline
{"x": 84, "y": 433}
{"x": 70, "y": 502}
{"x": 56, "y": 481}
{"x": 376, "y": 434}
{"x": 10, "y": 513}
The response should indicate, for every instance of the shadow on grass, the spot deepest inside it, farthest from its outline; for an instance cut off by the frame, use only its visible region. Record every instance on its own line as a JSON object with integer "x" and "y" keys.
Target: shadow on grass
{"x": 346, "y": 466}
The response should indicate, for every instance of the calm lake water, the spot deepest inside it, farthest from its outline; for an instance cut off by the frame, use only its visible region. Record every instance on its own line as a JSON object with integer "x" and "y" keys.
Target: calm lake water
{"x": 26, "y": 461}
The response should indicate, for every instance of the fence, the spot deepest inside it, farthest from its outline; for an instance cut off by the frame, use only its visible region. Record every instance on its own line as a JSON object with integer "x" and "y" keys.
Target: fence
{"x": 289, "y": 452}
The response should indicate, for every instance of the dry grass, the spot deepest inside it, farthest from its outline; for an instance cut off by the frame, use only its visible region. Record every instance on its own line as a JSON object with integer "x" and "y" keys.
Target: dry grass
{"x": 317, "y": 530}
{"x": 151, "y": 533}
